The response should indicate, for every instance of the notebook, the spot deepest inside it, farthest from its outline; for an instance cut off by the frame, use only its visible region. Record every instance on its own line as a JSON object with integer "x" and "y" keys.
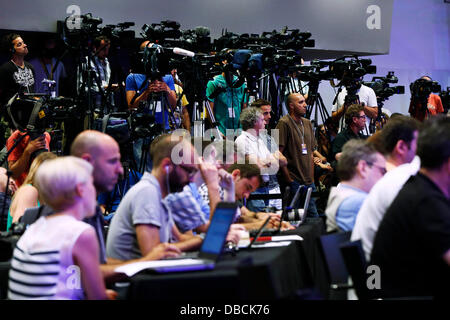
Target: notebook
{"x": 210, "y": 250}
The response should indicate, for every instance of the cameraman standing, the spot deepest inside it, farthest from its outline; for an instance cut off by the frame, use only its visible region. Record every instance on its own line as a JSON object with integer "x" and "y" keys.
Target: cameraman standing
{"x": 17, "y": 75}
{"x": 434, "y": 104}
{"x": 367, "y": 99}
{"x": 139, "y": 89}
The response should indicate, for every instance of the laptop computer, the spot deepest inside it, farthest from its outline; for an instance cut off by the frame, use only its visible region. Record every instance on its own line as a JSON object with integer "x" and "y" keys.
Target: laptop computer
{"x": 212, "y": 246}
{"x": 302, "y": 212}
{"x": 284, "y": 216}
{"x": 258, "y": 233}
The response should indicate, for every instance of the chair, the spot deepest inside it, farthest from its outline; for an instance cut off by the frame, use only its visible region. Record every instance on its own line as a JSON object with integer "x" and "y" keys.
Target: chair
{"x": 356, "y": 264}
{"x": 335, "y": 266}
{"x": 355, "y": 261}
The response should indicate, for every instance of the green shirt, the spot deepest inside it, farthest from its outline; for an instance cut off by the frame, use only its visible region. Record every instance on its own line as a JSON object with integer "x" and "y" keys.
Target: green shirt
{"x": 227, "y": 104}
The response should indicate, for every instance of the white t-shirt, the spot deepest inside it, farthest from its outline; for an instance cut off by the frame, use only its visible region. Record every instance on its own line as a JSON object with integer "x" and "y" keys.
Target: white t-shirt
{"x": 249, "y": 144}
{"x": 378, "y": 201}
{"x": 366, "y": 95}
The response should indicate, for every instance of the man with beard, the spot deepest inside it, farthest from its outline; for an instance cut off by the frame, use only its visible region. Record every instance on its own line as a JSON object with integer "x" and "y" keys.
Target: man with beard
{"x": 143, "y": 219}
{"x": 16, "y": 75}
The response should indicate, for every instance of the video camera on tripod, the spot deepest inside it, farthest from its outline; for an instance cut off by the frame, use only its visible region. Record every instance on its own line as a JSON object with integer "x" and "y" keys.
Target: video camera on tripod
{"x": 76, "y": 31}
{"x": 32, "y": 114}
{"x": 423, "y": 88}
{"x": 383, "y": 91}
{"x": 381, "y": 86}
{"x": 420, "y": 91}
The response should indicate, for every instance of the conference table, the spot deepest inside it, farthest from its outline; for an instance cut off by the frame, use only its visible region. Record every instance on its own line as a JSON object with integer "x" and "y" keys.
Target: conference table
{"x": 258, "y": 273}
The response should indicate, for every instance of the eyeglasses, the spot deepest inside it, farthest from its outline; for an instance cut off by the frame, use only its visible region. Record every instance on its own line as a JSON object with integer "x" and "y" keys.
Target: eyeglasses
{"x": 381, "y": 169}
{"x": 191, "y": 171}
{"x": 361, "y": 117}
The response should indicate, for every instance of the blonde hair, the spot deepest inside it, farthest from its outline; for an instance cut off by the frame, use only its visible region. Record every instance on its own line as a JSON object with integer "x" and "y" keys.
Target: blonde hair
{"x": 56, "y": 180}
{"x": 35, "y": 165}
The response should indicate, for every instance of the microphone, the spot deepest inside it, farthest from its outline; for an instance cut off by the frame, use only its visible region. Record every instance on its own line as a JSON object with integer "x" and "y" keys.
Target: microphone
{"x": 183, "y": 52}
{"x": 287, "y": 193}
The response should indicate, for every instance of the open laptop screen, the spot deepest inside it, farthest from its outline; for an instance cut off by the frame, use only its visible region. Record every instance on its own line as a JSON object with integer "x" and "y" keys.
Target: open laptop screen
{"x": 218, "y": 228}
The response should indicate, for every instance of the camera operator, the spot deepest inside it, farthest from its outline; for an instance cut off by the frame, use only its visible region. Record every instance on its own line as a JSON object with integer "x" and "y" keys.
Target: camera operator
{"x": 367, "y": 98}
{"x": 138, "y": 91}
{"x": 100, "y": 66}
{"x": 135, "y": 81}
{"x": 22, "y": 156}
{"x": 17, "y": 75}
{"x": 434, "y": 105}
{"x": 226, "y": 101}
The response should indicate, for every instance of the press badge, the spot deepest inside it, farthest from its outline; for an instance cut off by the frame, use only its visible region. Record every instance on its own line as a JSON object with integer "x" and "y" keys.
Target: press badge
{"x": 158, "y": 106}
{"x": 304, "y": 150}
{"x": 231, "y": 113}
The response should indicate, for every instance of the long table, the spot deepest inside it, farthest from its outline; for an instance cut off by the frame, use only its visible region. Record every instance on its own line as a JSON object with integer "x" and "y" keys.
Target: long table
{"x": 258, "y": 273}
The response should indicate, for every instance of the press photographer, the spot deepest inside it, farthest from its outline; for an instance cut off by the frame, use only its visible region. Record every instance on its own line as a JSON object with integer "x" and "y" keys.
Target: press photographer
{"x": 424, "y": 103}
{"x": 142, "y": 90}
{"x": 351, "y": 72}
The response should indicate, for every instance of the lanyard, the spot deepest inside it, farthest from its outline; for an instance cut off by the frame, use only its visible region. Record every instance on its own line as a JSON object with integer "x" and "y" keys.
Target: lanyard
{"x": 302, "y": 135}
{"x": 44, "y": 66}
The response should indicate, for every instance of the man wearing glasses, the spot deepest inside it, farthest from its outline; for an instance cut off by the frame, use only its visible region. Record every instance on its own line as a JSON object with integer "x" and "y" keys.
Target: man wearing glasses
{"x": 359, "y": 168}
{"x": 143, "y": 219}
{"x": 367, "y": 98}
{"x": 355, "y": 120}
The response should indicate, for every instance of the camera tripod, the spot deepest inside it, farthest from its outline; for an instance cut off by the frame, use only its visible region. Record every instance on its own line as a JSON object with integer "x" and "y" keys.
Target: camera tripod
{"x": 158, "y": 102}
{"x": 350, "y": 98}
{"x": 201, "y": 110}
{"x": 315, "y": 103}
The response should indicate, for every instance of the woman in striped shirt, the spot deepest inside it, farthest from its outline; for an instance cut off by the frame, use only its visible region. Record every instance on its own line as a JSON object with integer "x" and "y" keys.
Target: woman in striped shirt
{"x": 57, "y": 257}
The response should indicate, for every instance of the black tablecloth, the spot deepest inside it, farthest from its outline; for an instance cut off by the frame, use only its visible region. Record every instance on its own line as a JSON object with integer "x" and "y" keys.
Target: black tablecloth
{"x": 259, "y": 273}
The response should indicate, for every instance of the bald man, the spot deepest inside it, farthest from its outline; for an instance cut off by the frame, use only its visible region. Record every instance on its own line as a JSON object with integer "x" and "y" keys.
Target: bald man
{"x": 103, "y": 153}
{"x": 298, "y": 144}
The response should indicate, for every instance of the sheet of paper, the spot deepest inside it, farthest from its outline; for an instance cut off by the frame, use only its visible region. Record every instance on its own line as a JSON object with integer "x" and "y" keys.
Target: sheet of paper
{"x": 293, "y": 237}
{"x": 133, "y": 268}
{"x": 272, "y": 244}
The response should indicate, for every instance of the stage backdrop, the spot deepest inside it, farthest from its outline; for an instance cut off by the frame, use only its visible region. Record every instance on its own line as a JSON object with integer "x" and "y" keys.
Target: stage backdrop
{"x": 350, "y": 25}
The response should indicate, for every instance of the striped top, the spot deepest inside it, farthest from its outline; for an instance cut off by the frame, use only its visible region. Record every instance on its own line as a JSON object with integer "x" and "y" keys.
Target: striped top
{"x": 42, "y": 266}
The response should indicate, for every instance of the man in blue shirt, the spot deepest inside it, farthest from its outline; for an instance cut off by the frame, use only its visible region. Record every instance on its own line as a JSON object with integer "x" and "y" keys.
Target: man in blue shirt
{"x": 138, "y": 90}
{"x": 359, "y": 168}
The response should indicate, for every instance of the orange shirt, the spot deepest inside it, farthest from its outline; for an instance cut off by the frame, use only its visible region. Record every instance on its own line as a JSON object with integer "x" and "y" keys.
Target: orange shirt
{"x": 18, "y": 151}
{"x": 434, "y": 107}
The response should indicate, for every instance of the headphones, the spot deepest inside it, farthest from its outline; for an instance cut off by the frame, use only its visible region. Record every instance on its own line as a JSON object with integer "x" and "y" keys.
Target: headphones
{"x": 13, "y": 50}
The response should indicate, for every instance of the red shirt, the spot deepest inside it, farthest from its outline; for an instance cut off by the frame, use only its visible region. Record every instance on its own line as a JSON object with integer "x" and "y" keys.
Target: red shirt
{"x": 18, "y": 151}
